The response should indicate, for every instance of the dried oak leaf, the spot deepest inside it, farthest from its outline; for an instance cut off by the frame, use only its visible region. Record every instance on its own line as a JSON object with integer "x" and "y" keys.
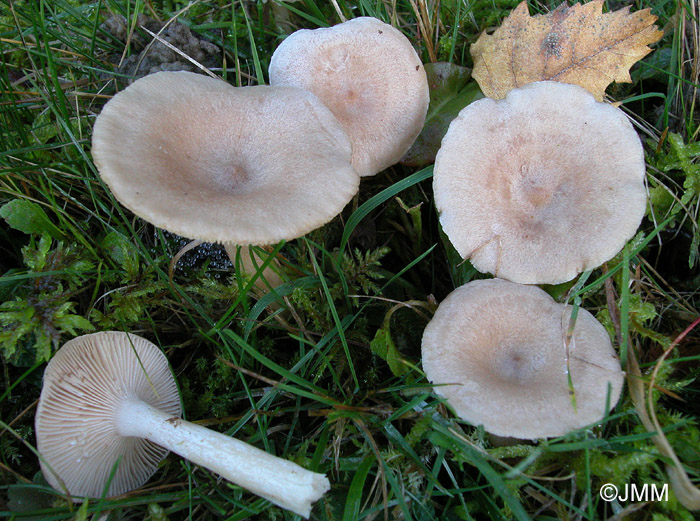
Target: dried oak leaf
{"x": 577, "y": 44}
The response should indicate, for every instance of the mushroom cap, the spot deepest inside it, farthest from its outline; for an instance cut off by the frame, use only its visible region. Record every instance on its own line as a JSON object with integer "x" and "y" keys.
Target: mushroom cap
{"x": 371, "y": 78}
{"x": 76, "y": 434}
{"x": 496, "y": 351}
{"x": 206, "y": 160}
{"x": 541, "y": 185}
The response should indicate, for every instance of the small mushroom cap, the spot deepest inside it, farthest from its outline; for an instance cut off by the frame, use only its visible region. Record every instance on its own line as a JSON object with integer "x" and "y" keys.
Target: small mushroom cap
{"x": 496, "y": 351}
{"x": 76, "y": 434}
{"x": 206, "y": 160}
{"x": 541, "y": 185}
{"x": 370, "y": 76}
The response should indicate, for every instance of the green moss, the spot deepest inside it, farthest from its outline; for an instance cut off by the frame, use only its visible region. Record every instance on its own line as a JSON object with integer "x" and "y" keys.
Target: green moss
{"x": 43, "y": 310}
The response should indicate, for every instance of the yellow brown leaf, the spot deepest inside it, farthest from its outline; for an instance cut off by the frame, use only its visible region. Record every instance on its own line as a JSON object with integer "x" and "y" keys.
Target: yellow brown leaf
{"x": 577, "y": 44}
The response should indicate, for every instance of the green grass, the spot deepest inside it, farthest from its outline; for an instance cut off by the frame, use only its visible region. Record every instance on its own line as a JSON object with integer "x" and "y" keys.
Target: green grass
{"x": 318, "y": 385}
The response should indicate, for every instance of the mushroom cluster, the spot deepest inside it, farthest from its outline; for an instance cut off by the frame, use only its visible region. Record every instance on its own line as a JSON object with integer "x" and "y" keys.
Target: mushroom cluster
{"x": 256, "y": 165}
{"x": 242, "y": 166}
{"x": 542, "y": 175}
{"x": 534, "y": 188}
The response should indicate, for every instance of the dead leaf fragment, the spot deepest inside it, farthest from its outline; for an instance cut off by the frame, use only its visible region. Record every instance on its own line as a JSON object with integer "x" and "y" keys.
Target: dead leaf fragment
{"x": 450, "y": 92}
{"x": 577, "y": 44}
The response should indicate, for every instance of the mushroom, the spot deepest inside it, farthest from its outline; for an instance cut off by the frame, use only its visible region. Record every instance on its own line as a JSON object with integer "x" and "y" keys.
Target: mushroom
{"x": 370, "y": 77}
{"x": 251, "y": 262}
{"x": 203, "y": 159}
{"x": 109, "y": 402}
{"x": 499, "y": 353}
{"x": 541, "y": 185}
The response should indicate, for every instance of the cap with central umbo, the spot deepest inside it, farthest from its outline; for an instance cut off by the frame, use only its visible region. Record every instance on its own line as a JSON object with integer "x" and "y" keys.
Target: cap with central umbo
{"x": 203, "y": 159}
{"x": 371, "y": 78}
{"x": 499, "y": 353}
{"x": 541, "y": 185}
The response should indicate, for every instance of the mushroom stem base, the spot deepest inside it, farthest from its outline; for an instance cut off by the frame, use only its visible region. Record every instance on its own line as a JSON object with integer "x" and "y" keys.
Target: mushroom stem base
{"x": 280, "y": 481}
{"x": 250, "y": 263}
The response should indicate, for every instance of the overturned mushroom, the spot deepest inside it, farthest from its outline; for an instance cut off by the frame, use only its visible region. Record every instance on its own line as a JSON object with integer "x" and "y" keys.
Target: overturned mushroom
{"x": 541, "y": 185}
{"x": 200, "y": 158}
{"x": 370, "y": 77}
{"x": 110, "y": 402}
{"x": 499, "y": 353}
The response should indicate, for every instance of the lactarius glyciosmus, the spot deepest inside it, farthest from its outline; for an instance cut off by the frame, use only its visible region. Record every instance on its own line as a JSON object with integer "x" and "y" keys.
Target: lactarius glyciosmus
{"x": 542, "y": 185}
{"x": 371, "y": 78}
{"x": 205, "y": 160}
{"x": 109, "y": 401}
{"x": 500, "y": 353}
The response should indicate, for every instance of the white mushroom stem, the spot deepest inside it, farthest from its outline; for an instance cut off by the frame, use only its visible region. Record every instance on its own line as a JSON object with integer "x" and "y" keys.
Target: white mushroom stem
{"x": 280, "y": 481}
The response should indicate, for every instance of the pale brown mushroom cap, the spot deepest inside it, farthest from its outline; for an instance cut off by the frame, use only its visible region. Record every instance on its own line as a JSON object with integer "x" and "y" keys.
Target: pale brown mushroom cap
{"x": 369, "y": 75}
{"x": 206, "y": 160}
{"x": 541, "y": 185}
{"x": 76, "y": 433}
{"x": 500, "y": 349}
